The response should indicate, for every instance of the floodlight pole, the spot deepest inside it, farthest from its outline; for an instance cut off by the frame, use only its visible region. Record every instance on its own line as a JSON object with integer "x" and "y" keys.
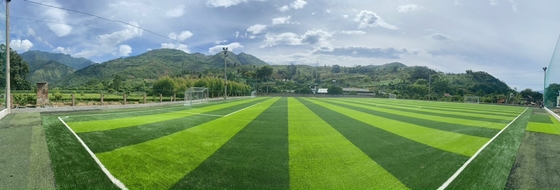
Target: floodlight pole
{"x": 544, "y": 85}
{"x": 225, "y": 72}
{"x": 8, "y": 99}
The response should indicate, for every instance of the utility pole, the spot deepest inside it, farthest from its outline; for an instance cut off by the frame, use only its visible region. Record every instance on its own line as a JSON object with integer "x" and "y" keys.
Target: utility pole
{"x": 8, "y": 99}
{"x": 430, "y": 87}
{"x": 225, "y": 72}
{"x": 544, "y": 89}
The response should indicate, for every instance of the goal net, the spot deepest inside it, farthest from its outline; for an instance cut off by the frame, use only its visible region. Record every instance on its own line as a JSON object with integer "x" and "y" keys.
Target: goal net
{"x": 392, "y": 96}
{"x": 472, "y": 99}
{"x": 253, "y": 94}
{"x": 196, "y": 95}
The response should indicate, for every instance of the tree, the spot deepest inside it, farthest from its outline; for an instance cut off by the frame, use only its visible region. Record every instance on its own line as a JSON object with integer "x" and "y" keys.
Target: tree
{"x": 164, "y": 86}
{"x": 334, "y": 90}
{"x": 264, "y": 72}
{"x": 336, "y": 68}
{"x": 292, "y": 70}
{"x": 18, "y": 70}
{"x": 551, "y": 93}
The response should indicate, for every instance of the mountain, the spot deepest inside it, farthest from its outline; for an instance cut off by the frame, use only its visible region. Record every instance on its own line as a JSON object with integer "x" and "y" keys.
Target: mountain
{"x": 34, "y": 55}
{"x": 48, "y": 71}
{"x": 154, "y": 64}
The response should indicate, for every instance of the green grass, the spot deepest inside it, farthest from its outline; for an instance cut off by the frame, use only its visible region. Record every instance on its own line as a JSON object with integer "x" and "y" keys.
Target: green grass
{"x": 453, "y": 142}
{"x": 160, "y": 163}
{"x": 543, "y": 122}
{"x": 322, "y": 158}
{"x": 303, "y": 143}
{"x": 491, "y": 168}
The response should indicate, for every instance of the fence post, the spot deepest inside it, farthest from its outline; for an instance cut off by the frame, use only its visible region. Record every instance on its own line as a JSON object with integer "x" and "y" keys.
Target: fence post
{"x": 124, "y": 98}
{"x": 160, "y": 98}
{"x": 101, "y": 96}
{"x": 144, "y": 98}
{"x": 11, "y": 101}
{"x": 73, "y": 99}
{"x": 174, "y": 97}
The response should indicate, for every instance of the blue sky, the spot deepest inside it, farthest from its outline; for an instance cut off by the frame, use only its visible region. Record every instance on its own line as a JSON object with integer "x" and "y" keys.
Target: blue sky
{"x": 511, "y": 39}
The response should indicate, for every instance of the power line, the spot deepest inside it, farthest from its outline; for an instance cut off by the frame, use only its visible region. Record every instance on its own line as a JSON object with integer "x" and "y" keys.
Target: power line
{"x": 107, "y": 19}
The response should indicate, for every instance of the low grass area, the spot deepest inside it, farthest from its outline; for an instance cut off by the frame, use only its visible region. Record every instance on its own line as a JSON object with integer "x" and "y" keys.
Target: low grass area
{"x": 543, "y": 122}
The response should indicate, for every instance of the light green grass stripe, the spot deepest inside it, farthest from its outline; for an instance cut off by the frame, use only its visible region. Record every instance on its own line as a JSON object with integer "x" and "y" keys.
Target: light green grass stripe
{"x": 448, "y": 141}
{"x": 160, "y": 163}
{"x": 427, "y": 109}
{"x": 545, "y": 127}
{"x": 473, "y": 123}
{"x": 502, "y": 109}
{"x": 102, "y": 125}
{"x": 322, "y": 158}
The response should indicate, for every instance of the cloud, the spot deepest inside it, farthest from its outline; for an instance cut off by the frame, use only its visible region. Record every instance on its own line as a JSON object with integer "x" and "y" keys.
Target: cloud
{"x": 440, "y": 37}
{"x": 224, "y": 3}
{"x": 177, "y": 46}
{"x": 311, "y": 37}
{"x": 59, "y": 16}
{"x": 220, "y": 41}
{"x": 513, "y": 5}
{"x": 115, "y": 38}
{"x": 124, "y": 50}
{"x": 62, "y": 50}
{"x": 231, "y": 47}
{"x": 409, "y": 8}
{"x": 281, "y": 20}
{"x": 352, "y": 32}
{"x": 20, "y": 45}
{"x": 176, "y": 12}
{"x": 493, "y": 2}
{"x": 256, "y": 29}
{"x": 182, "y": 36}
{"x": 371, "y": 19}
{"x": 366, "y": 52}
{"x": 298, "y": 4}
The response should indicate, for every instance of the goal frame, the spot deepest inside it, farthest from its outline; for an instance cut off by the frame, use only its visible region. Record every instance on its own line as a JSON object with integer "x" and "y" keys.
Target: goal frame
{"x": 253, "y": 94}
{"x": 392, "y": 96}
{"x": 471, "y": 99}
{"x": 195, "y": 95}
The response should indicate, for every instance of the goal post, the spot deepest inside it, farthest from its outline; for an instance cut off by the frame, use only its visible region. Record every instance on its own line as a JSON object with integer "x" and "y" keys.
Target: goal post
{"x": 253, "y": 94}
{"x": 392, "y": 96}
{"x": 471, "y": 99}
{"x": 196, "y": 95}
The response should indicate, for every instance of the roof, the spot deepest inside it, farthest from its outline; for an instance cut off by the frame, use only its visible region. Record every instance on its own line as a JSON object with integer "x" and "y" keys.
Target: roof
{"x": 355, "y": 90}
{"x": 322, "y": 90}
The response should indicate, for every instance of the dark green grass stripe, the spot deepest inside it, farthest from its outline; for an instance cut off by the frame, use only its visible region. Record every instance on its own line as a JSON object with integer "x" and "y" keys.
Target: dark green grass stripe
{"x": 255, "y": 158}
{"x": 540, "y": 116}
{"x": 448, "y": 114}
{"x": 491, "y": 168}
{"x": 104, "y": 141}
{"x": 135, "y": 112}
{"x": 73, "y": 167}
{"x": 456, "y": 128}
{"x": 455, "y": 109}
{"x": 416, "y": 165}
{"x": 466, "y": 106}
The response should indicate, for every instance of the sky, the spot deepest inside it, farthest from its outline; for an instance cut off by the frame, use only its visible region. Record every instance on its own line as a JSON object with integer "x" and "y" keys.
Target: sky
{"x": 510, "y": 39}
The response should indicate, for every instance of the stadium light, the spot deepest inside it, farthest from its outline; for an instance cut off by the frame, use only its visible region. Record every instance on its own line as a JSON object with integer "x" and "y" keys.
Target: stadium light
{"x": 225, "y": 72}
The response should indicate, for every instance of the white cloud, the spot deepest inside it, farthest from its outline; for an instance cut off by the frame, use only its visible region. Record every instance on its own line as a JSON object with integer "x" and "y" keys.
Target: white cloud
{"x": 493, "y": 2}
{"x": 115, "y": 38}
{"x": 409, "y": 8}
{"x": 177, "y": 46}
{"x": 284, "y": 8}
{"x": 231, "y": 47}
{"x": 256, "y": 29}
{"x": 20, "y": 45}
{"x": 59, "y": 16}
{"x": 312, "y": 37}
{"x": 124, "y": 50}
{"x": 513, "y": 5}
{"x": 345, "y": 16}
{"x": 182, "y": 36}
{"x": 281, "y": 20}
{"x": 440, "y": 37}
{"x": 236, "y": 34}
{"x": 224, "y": 3}
{"x": 176, "y": 12}
{"x": 62, "y": 50}
{"x": 86, "y": 53}
{"x": 220, "y": 41}
{"x": 370, "y": 19}
{"x": 353, "y": 32}
{"x": 298, "y": 4}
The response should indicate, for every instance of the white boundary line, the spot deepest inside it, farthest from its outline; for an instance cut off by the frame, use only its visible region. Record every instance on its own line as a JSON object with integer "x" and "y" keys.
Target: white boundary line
{"x": 213, "y": 115}
{"x": 115, "y": 181}
{"x": 444, "y": 185}
{"x": 241, "y": 109}
{"x": 552, "y": 113}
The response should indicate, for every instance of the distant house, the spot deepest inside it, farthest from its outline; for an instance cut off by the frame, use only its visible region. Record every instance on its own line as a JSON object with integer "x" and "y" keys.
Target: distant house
{"x": 322, "y": 90}
{"x": 365, "y": 90}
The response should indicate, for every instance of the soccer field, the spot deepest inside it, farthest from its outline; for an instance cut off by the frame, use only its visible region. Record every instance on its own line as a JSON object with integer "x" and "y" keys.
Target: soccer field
{"x": 299, "y": 143}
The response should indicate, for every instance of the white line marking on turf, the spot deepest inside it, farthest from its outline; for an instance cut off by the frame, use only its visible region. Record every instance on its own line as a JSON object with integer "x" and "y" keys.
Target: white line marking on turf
{"x": 213, "y": 115}
{"x": 444, "y": 185}
{"x": 241, "y": 109}
{"x": 115, "y": 181}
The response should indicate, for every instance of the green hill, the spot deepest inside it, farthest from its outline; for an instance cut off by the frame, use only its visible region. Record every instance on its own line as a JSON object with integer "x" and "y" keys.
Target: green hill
{"x": 34, "y": 55}
{"x": 48, "y": 71}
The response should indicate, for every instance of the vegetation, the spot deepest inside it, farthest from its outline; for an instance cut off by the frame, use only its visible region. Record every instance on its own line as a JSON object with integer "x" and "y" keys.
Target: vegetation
{"x": 18, "y": 70}
{"x": 35, "y": 57}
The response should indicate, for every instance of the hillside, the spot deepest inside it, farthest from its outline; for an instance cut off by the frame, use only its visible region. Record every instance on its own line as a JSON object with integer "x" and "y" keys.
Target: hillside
{"x": 154, "y": 64}
{"x": 48, "y": 71}
{"x": 34, "y": 55}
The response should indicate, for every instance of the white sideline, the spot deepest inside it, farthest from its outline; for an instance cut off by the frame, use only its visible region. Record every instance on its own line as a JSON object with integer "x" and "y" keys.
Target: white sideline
{"x": 444, "y": 185}
{"x": 115, "y": 181}
{"x": 213, "y": 115}
{"x": 241, "y": 110}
